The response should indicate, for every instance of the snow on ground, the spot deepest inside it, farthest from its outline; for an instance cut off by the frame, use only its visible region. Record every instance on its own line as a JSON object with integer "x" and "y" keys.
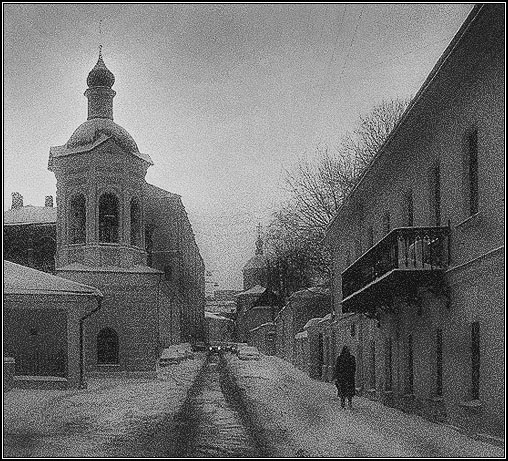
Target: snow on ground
{"x": 93, "y": 422}
{"x": 303, "y": 417}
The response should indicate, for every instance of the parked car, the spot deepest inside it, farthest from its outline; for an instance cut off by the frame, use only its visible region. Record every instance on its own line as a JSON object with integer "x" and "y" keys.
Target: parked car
{"x": 237, "y": 346}
{"x": 248, "y": 353}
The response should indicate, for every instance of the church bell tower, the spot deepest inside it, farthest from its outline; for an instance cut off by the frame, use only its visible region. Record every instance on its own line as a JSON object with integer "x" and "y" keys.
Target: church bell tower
{"x": 100, "y": 177}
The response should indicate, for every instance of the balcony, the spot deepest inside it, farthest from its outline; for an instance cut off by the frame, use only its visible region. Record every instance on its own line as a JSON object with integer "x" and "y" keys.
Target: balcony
{"x": 404, "y": 260}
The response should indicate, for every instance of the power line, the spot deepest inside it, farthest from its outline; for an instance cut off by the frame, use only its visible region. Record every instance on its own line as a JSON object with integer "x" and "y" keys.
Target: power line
{"x": 339, "y": 28}
{"x": 351, "y": 44}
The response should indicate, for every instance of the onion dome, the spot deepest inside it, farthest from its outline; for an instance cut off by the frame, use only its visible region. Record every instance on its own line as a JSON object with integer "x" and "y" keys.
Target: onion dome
{"x": 100, "y": 75}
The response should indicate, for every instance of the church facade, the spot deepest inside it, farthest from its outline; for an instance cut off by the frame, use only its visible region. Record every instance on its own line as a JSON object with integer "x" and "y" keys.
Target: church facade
{"x": 131, "y": 240}
{"x": 258, "y": 304}
{"x": 112, "y": 226}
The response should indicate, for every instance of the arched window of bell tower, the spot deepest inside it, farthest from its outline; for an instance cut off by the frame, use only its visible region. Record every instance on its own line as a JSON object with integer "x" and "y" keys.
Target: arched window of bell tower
{"x": 109, "y": 218}
{"x": 77, "y": 219}
{"x": 135, "y": 222}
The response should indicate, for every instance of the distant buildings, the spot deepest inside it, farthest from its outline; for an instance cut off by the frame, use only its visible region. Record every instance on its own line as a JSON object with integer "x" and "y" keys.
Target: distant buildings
{"x": 113, "y": 231}
{"x": 258, "y": 304}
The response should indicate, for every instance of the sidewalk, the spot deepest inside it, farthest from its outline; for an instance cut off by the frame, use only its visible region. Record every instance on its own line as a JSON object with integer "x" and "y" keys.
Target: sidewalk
{"x": 93, "y": 422}
{"x": 303, "y": 417}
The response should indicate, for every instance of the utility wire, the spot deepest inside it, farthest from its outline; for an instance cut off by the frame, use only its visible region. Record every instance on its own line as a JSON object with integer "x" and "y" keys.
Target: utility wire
{"x": 351, "y": 45}
{"x": 328, "y": 67}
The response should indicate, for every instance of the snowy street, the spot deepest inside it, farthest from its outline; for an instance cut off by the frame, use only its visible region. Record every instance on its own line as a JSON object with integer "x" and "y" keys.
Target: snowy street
{"x": 112, "y": 417}
{"x": 220, "y": 406}
{"x": 302, "y": 417}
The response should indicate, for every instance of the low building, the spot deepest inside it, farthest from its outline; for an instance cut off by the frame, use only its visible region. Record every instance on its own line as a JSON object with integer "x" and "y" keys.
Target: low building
{"x": 301, "y": 306}
{"x": 263, "y": 337}
{"x": 45, "y": 320}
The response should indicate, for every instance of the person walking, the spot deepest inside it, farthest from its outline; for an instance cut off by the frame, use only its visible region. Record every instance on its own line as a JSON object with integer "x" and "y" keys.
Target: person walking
{"x": 344, "y": 375}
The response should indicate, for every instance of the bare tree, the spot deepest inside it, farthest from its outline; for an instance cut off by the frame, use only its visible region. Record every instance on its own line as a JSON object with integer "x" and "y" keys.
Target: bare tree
{"x": 317, "y": 189}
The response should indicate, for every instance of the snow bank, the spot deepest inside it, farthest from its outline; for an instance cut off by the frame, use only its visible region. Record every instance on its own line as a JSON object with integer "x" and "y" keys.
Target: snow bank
{"x": 303, "y": 417}
{"x": 94, "y": 422}
{"x": 176, "y": 353}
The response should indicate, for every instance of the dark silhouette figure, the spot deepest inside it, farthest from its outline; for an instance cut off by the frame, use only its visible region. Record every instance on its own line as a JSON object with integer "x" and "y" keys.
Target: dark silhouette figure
{"x": 344, "y": 376}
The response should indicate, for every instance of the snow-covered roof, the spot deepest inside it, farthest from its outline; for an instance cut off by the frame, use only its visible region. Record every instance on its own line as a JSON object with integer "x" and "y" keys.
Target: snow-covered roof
{"x": 256, "y": 262}
{"x": 312, "y": 322}
{"x": 211, "y": 315}
{"x": 25, "y": 280}
{"x": 30, "y": 215}
{"x": 136, "y": 269}
{"x": 310, "y": 292}
{"x": 301, "y": 334}
{"x": 94, "y": 132}
{"x": 255, "y": 290}
{"x": 264, "y": 325}
{"x": 326, "y": 318}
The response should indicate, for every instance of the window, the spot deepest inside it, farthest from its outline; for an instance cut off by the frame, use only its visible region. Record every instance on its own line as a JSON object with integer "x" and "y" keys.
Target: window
{"x": 388, "y": 365}
{"x": 472, "y": 171}
{"x": 435, "y": 195}
{"x": 107, "y": 347}
{"x": 353, "y": 330}
{"x": 77, "y": 219}
{"x": 439, "y": 362}
{"x": 135, "y": 222}
{"x": 372, "y": 364}
{"x": 149, "y": 246}
{"x": 370, "y": 237}
{"x": 386, "y": 223}
{"x": 475, "y": 360}
{"x": 409, "y": 209}
{"x": 410, "y": 365}
{"x": 108, "y": 218}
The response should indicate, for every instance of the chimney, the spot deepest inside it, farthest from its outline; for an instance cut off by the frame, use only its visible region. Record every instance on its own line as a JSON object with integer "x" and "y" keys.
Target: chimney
{"x": 17, "y": 200}
{"x": 49, "y": 201}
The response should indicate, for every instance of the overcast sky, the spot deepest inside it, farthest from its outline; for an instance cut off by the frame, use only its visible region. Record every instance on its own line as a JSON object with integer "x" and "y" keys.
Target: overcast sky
{"x": 222, "y": 97}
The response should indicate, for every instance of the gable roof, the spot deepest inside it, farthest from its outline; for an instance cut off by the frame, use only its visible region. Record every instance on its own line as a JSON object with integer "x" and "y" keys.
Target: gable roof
{"x": 30, "y": 215}
{"x": 20, "y": 279}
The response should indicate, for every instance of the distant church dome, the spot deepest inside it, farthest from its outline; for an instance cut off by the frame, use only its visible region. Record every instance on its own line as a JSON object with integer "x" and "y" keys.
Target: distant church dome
{"x": 259, "y": 260}
{"x": 256, "y": 262}
{"x": 100, "y": 75}
{"x": 89, "y": 131}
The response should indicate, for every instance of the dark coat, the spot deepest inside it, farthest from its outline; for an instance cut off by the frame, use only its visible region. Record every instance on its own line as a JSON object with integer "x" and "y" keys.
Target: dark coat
{"x": 345, "y": 369}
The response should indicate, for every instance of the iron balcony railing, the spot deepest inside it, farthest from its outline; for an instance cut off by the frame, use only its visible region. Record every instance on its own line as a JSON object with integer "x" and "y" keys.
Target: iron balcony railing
{"x": 405, "y": 248}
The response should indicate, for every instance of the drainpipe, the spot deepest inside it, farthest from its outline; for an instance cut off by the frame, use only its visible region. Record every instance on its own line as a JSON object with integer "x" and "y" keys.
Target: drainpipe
{"x": 82, "y": 383}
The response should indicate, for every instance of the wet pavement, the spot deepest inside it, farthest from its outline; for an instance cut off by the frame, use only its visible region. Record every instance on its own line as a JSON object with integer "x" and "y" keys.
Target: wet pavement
{"x": 213, "y": 421}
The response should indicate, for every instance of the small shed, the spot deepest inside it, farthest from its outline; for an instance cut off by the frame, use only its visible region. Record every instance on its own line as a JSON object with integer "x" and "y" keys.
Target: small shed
{"x": 44, "y": 319}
